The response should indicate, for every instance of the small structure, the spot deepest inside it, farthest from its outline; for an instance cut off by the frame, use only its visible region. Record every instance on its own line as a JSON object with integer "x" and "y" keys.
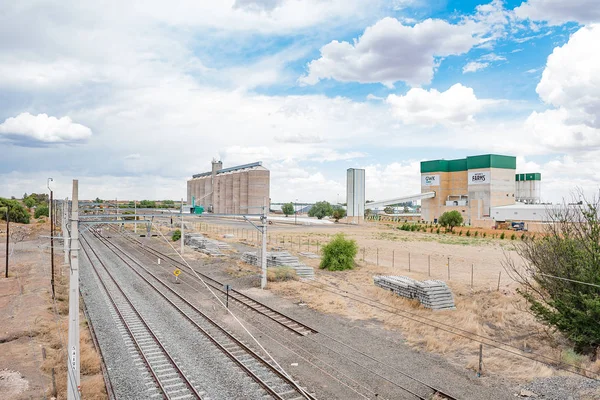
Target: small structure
{"x": 355, "y": 194}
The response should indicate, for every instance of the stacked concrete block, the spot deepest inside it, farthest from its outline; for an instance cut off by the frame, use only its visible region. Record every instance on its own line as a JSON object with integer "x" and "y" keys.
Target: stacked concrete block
{"x": 432, "y": 294}
{"x": 277, "y": 259}
{"x": 205, "y": 245}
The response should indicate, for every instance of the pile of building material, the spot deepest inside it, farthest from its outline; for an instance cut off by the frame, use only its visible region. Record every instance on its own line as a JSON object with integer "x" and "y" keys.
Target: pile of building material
{"x": 432, "y": 294}
{"x": 280, "y": 259}
{"x": 198, "y": 242}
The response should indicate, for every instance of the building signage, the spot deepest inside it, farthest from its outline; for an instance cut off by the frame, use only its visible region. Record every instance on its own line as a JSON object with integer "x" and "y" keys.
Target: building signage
{"x": 479, "y": 178}
{"x": 430, "y": 180}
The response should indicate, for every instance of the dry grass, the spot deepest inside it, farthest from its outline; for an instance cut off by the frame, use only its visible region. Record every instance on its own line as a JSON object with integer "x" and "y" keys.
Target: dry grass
{"x": 281, "y": 274}
{"x": 496, "y": 315}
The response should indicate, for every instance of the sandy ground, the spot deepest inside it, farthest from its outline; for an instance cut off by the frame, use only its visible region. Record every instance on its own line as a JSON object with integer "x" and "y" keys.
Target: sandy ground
{"x": 33, "y": 329}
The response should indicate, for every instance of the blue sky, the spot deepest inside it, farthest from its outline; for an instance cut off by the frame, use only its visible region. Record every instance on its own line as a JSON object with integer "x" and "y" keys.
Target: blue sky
{"x": 133, "y": 99}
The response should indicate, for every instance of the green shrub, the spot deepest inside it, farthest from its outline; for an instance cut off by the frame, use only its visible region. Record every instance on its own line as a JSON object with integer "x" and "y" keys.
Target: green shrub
{"x": 513, "y": 236}
{"x": 522, "y": 236}
{"x": 176, "y": 235}
{"x": 338, "y": 255}
{"x": 460, "y": 233}
{"x": 484, "y": 234}
{"x": 41, "y": 210}
{"x": 16, "y": 212}
{"x": 468, "y": 233}
{"x": 431, "y": 230}
{"x": 476, "y": 234}
{"x": 450, "y": 219}
{"x": 437, "y": 231}
{"x": 502, "y": 235}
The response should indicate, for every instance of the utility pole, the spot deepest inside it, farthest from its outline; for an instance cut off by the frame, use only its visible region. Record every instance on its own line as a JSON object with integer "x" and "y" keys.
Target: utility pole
{"x": 182, "y": 235}
{"x": 7, "y": 238}
{"x": 73, "y": 375}
{"x": 263, "y": 255}
{"x": 51, "y": 237}
{"x": 135, "y": 216}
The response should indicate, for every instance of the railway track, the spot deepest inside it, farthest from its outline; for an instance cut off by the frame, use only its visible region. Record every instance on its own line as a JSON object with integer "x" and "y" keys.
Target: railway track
{"x": 170, "y": 381}
{"x": 246, "y": 301}
{"x": 423, "y": 391}
{"x": 275, "y": 382}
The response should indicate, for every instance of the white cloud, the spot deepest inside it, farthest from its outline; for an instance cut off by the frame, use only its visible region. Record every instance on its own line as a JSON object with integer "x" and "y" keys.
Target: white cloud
{"x": 389, "y": 51}
{"x": 554, "y": 129}
{"x": 36, "y": 129}
{"x": 455, "y": 106}
{"x": 557, "y": 12}
{"x": 492, "y": 57}
{"x": 385, "y": 181}
{"x": 474, "y": 66}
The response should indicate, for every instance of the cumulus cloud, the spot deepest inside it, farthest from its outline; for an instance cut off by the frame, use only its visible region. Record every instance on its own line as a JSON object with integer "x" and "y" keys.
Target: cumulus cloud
{"x": 42, "y": 130}
{"x": 557, "y": 12}
{"x": 455, "y": 106}
{"x": 571, "y": 83}
{"x": 257, "y": 5}
{"x": 389, "y": 51}
{"x": 474, "y": 66}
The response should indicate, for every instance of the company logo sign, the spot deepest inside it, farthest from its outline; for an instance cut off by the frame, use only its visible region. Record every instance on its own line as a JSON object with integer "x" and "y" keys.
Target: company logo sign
{"x": 430, "y": 180}
{"x": 479, "y": 178}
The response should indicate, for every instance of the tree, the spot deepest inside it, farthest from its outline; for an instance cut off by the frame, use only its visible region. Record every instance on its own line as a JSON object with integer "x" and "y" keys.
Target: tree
{"x": 321, "y": 209}
{"x": 98, "y": 200}
{"x": 338, "y": 213}
{"x": 288, "y": 209}
{"x": 147, "y": 204}
{"x": 388, "y": 210}
{"x": 450, "y": 219}
{"x": 338, "y": 255}
{"x": 29, "y": 202}
{"x": 16, "y": 213}
{"x": 562, "y": 274}
{"x": 368, "y": 212}
{"x": 41, "y": 210}
{"x": 406, "y": 210}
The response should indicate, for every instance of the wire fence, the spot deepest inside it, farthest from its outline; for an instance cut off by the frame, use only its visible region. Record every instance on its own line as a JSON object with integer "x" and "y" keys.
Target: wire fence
{"x": 472, "y": 272}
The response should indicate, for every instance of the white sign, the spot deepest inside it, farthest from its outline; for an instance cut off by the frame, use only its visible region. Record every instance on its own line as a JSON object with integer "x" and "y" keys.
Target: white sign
{"x": 73, "y": 358}
{"x": 479, "y": 178}
{"x": 430, "y": 180}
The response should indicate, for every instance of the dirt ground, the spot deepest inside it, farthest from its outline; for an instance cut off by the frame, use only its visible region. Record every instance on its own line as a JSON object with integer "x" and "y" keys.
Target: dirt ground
{"x": 33, "y": 328}
{"x": 487, "y": 308}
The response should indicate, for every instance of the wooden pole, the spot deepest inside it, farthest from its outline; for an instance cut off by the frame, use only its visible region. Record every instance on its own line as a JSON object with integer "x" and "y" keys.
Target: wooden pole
{"x": 448, "y": 268}
{"x": 480, "y": 360}
{"x": 499, "y": 275}
{"x": 429, "y": 264}
{"x": 393, "y": 258}
{"x": 409, "y": 261}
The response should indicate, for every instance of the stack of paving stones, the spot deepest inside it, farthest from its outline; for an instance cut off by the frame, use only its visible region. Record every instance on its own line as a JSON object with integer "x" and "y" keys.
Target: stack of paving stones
{"x": 432, "y": 294}
{"x": 205, "y": 245}
{"x": 281, "y": 259}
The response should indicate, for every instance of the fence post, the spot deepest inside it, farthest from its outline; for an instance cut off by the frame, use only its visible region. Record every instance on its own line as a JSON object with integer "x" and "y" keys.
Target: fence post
{"x": 499, "y": 275}
{"x": 448, "y": 268}
{"x": 472, "y": 267}
{"x": 429, "y": 264}
{"x": 480, "y": 360}
{"x": 409, "y": 261}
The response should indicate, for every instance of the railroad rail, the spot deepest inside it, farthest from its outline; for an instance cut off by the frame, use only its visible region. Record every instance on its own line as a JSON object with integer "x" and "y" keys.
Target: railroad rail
{"x": 286, "y": 321}
{"x": 426, "y": 392}
{"x": 171, "y": 382}
{"x": 275, "y": 382}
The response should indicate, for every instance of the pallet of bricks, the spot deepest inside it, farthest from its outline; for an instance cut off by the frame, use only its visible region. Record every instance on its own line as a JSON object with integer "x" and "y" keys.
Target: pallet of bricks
{"x": 281, "y": 259}
{"x": 433, "y": 294}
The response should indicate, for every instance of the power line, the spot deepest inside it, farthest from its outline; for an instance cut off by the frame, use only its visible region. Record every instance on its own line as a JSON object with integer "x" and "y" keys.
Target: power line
{"x": 567, "y": 279}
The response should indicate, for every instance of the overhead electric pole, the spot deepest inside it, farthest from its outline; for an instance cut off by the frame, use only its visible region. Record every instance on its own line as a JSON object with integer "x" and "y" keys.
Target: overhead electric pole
{"x": 7, "y": 238}
{"x": 65, "y": 232}
{"x": 51, "y": 215}
{"x": 73, "y": 375}
{"x": 182, "y": 235}
{"x": 263, "y": 253}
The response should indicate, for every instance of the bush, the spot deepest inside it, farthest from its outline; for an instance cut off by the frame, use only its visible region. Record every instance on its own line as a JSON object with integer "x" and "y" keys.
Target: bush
{"x": 16, "y": 212}
{"x": 41, "y": 210}
{"x": 468, "y": 232}
{"x": 431, "y": 230}
{"x": 338, "y": 213}
{"x": 476, "y": 234}
{"x": 338, "y": 255}
{"x": 460, "y": 233}
{"x": 437, "y": 231}
{"x": 522, "y": 236}
{"x": 502, "y": 235}
{"x": 451, "y": 219}
{"x": 513, "y": 236}
{"x": 484, "y": 234}
{"x": 176, "y": 235}
{"x": 281, "y": 274}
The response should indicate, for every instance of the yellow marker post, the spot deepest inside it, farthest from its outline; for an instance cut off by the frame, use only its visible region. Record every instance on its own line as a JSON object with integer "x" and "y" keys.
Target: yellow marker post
{"x": 177, "y": 272}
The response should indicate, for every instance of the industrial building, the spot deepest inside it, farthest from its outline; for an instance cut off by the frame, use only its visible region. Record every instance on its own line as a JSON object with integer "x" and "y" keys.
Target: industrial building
{"x": 243, "y": 189}
{"x": 355, "y": 194}
{"x": 475, "y": 186}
